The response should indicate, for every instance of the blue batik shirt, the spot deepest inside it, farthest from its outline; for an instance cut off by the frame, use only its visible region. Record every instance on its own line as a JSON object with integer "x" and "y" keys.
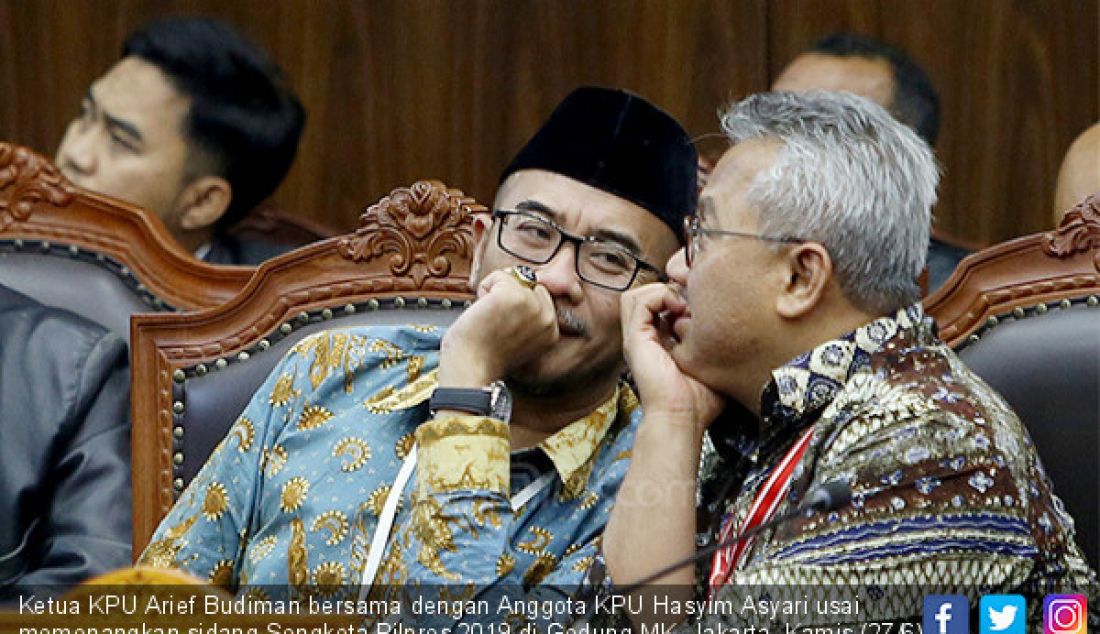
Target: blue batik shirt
{"x": 291, "y": 498}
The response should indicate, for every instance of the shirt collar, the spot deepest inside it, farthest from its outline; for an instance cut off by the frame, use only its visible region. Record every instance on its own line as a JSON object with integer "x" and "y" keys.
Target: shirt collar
{"x": 809, "y": 382}
{"x": 573, "y": 448}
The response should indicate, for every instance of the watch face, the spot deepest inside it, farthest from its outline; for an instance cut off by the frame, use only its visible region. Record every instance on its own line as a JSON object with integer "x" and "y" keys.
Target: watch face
{"x": 501, "y": 402}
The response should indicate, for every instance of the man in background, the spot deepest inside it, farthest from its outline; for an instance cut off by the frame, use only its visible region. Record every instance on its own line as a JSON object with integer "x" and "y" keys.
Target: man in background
{"x": 1079, "y": 175}
{"x": 195, "y": 124}
{"x": 887, "y": 76}
{"x": 64, "y": 449}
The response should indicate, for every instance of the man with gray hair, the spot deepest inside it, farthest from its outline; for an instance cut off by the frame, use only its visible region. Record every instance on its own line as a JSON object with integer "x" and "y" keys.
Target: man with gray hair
{"x": 793, "y": 308}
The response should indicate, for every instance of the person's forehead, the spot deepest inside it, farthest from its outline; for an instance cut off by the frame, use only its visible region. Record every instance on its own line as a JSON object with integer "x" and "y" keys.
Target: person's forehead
{"x": 870, "y": 77}
{"x": 579, "y": 207}
{"x": 137, "y": 90}
{"x": 741, "y": 163}
{"x": 734, "y": 174}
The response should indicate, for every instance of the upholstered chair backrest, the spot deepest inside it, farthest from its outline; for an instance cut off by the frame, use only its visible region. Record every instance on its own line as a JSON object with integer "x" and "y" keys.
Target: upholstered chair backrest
{"x": 408, "y": 262}
{"x": 1025, "y": 316}
{"x": 270, "y": 224}
{"x": 98, "y": 257}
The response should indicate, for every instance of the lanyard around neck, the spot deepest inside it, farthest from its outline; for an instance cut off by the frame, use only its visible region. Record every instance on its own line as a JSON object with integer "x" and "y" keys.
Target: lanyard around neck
{"x": 763, "y": 508}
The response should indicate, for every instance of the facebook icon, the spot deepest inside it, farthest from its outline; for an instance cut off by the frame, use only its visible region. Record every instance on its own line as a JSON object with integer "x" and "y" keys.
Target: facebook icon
{"x": 946, "y": 614}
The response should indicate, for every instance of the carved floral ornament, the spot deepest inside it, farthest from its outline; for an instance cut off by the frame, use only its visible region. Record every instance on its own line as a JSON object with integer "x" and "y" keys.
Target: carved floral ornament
{"x": 425, "y": 230}
{"x": 27, "y": 179}
{"x": 1078, "y": 232}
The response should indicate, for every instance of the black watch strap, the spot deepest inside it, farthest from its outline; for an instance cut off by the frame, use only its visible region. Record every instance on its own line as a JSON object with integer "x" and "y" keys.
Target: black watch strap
{"x": 470, "y": 400}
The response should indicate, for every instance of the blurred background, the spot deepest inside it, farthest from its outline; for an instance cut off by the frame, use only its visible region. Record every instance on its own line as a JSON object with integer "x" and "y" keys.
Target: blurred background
{"x": 403, "y": 90}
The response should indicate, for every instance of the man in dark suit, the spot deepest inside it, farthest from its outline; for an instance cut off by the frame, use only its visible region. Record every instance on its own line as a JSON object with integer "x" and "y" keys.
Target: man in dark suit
{"x": 195, "y": 124}
{"x": 64, "y": 448}
{"x": 887, "y": 76}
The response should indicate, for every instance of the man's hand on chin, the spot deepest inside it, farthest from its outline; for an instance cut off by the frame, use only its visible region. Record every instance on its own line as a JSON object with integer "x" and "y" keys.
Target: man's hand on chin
{"x": 665, "y": 391}
{"x": 508, "y": 326}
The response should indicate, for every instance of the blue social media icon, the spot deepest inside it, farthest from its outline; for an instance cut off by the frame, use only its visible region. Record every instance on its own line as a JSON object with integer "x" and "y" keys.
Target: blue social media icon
{"x": 946, "y": 614}
{"x": 1002, "y": 614}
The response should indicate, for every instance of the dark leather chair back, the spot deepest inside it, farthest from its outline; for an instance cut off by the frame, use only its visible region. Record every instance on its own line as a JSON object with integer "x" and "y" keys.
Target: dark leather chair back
{"x": 268, "y": 223}
{"x": 98, "y": 257}
{"x": 99, "y": 290}
{"x": 408, "y": 262}
{"x": 1025, "y": 316}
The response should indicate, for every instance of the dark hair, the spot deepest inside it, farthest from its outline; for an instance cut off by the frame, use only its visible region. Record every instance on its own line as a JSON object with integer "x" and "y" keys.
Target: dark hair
{"x": 243, "y": 119}
{"x": 915, "y": 101}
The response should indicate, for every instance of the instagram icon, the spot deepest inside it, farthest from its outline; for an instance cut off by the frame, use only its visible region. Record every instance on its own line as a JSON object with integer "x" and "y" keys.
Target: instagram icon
{"x": 1065, "y": 614}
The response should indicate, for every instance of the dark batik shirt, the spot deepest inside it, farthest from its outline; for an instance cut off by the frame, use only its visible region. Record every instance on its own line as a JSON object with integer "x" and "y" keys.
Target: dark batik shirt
{"x": 948, "y": 493}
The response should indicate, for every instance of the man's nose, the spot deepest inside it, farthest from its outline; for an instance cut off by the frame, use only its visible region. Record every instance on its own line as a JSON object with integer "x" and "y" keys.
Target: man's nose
{"x": 677, "y": 269}
{"x": 559, "y": 275}
{"x": 77, "y": 154}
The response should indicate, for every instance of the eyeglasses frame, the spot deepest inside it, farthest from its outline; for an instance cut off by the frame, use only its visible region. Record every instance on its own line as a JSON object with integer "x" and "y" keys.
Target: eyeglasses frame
{"x": 577, "y": 241}
{"x": 693, "y": 229}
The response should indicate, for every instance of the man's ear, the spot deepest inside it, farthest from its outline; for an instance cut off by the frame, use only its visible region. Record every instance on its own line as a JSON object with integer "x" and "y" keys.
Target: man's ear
{"x": 483, "y": 224}
{"x": 203, "y": 201}
{"x": 809, "y": 271}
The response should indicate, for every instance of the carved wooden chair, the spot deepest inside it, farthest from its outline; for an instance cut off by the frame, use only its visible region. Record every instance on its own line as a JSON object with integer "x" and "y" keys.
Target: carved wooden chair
{"x": 408, "y": 262}
{"x": 1025, "y": 315}
{"x": 96, "y": 256}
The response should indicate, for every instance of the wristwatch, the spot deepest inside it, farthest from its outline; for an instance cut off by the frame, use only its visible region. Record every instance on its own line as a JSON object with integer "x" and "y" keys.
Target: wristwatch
{"x": 494, "y": 401}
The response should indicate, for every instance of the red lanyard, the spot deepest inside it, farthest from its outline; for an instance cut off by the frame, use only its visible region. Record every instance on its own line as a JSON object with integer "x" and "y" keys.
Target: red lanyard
{"x": 762, "y": 509}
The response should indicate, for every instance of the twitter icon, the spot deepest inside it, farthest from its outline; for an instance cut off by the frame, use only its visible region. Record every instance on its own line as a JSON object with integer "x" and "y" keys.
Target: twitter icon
{"x": 1002, "y": 614}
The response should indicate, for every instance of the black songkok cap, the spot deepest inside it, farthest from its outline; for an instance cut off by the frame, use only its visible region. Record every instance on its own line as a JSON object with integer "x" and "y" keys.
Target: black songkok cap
{"x": 622, "y": 144}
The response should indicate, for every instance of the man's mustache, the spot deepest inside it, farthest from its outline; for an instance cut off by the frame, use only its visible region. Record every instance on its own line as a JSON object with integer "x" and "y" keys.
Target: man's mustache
{"x": 569, "y": 323}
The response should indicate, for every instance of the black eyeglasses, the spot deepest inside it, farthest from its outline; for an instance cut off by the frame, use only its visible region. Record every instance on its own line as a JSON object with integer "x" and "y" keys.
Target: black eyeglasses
{"x": 599, "y": 262}
{"x": 694, "y": 232}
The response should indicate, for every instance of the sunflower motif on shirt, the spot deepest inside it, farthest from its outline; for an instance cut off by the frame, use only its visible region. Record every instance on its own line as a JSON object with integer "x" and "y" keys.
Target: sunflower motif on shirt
{"x": 215, "y": 502}
{"x": 329, "y": 577}
{"x": 313, "y": 416}
{"x": 294, "y": 494}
